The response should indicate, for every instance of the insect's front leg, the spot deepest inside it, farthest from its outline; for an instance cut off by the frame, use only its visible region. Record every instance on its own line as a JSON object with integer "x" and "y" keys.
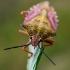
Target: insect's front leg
{"x": 23, "y": 32}
{"x": 23, "y": 13}
{"x": 24, "y": 48}
{"x": 48, "y": 42}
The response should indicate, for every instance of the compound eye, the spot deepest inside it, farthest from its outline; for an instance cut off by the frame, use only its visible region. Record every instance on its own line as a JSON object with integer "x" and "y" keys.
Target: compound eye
{"x": 40, "y": 40}
{"x": 31, "y": 37}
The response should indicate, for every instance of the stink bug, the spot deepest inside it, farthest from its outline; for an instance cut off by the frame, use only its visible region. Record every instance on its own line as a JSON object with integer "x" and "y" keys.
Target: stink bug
{"x": 40, "y": 23}
{"x": 39, "y": 30}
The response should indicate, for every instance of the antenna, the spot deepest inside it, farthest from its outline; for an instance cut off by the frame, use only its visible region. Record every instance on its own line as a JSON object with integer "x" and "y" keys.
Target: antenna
{"x": 27, "y": 45}
{"x": 46, "y": 56}
{"x": 15, "y": 47}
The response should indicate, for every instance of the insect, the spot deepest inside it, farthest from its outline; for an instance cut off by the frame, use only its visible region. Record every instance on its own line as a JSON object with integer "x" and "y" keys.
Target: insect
{"x": 40, "y": 23}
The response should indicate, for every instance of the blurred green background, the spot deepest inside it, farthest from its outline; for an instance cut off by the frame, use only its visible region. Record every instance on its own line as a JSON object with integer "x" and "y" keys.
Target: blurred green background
{"x": 10, "y": 20}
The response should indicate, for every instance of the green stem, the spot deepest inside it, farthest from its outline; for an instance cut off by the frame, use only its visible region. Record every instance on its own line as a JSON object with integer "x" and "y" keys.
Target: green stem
{"x": 34, "y": 60}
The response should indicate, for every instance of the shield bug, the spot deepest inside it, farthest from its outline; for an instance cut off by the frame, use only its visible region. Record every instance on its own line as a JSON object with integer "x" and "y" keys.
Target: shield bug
{"x": 39, "y": 30}
{"x": 40, "y": 23}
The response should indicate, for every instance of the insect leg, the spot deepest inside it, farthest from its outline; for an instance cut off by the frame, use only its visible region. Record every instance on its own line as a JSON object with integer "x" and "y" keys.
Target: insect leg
{"x": 23, "y": 32}
{"x": 24, "y": 48}
{"x": 49, "y": 42}
{"x": 23, "y": 13}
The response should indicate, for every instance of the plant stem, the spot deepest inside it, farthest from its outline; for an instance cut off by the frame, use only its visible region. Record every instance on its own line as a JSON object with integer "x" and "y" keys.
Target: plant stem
{"x": 34, "y": 60}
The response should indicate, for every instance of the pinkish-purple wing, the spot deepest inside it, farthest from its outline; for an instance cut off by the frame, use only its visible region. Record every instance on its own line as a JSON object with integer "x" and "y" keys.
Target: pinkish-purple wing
{"x": 34, "y": 12}
{"x": 53, "y": 20}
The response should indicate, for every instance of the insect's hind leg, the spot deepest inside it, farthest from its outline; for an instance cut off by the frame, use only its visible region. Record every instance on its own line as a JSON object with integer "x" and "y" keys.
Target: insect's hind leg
{"x": 48, "y": 42}
{"x": 23, "y": 13}
{"x": 24, "y": 48}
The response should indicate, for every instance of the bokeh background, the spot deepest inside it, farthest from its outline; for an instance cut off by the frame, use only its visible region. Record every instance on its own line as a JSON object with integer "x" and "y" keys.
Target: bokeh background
{"x": 10, "y": 20}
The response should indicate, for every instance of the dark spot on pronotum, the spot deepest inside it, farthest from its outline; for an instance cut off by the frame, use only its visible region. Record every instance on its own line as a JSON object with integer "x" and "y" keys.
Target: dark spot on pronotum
{"x": 40, "y": 40}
